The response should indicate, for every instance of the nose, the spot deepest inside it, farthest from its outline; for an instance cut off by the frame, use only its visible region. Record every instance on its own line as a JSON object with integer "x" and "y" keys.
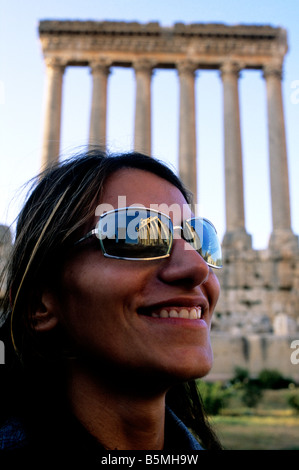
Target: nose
{"x": 184, "y": 266}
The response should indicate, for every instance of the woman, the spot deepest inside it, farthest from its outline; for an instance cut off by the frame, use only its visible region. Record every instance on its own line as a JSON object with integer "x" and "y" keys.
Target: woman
{"x": 108, "y": 311}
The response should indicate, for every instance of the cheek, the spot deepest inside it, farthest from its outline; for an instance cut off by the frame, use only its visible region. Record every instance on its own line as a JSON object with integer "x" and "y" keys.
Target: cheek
{"x": 212, "y": 289}
{"x": 95, "y": 300}
{"x": 98, "y": 314}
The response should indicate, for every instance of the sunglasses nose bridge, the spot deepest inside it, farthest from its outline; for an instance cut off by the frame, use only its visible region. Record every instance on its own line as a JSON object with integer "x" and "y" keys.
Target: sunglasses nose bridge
{"x": 183, "y": 231}
{"x": 177, "y": 228}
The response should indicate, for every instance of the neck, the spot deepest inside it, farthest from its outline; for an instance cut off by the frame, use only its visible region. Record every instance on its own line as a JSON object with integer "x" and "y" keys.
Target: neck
{"x": 116, "y": 417}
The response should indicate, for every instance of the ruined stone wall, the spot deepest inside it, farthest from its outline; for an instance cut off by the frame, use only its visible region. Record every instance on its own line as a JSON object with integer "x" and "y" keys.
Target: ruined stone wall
{"x": 259, "y": 290}
{"x": 257, "y": 316}
{"x": 253, "y": 352}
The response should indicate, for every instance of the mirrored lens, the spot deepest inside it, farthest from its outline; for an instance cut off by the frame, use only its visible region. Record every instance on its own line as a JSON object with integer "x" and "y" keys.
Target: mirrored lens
{"x": 202, "y": 236}
{"x": 135, "y": 233}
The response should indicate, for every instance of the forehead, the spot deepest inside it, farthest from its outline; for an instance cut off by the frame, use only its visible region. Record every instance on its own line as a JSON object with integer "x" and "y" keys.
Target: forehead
{"x": 136, "y": 186}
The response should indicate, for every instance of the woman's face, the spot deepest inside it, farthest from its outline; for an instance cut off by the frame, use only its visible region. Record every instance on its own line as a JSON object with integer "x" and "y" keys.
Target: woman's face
{"x": 114, "y": 310}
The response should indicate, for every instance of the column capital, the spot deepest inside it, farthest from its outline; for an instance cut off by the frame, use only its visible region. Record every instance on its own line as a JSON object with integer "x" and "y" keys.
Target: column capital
{"x": 143, "y": 65}
{"x": 55, "y": 63}
{"x": 231, "y": 68}
{"x": 273, "y": 70}
{"x": 100, "y": 65}
{"x": 186, "y": 67}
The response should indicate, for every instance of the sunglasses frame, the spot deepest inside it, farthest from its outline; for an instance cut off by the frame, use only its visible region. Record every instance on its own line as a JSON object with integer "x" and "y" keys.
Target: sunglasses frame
{"x": 172, "y": 227}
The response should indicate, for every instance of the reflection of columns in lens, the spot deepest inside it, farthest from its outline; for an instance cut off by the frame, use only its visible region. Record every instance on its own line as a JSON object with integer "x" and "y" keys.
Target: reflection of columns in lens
{"x": 52, "y": 123}
{"x": 143, "y": 73}
{"x": 187, "y": 128}
{"x": 234, "y": 193}
{"x": 281, "y": 218}
{"x": 97, "y": 129}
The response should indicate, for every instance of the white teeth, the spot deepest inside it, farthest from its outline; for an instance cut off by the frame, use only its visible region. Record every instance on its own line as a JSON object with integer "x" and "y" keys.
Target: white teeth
{"x": 193, "y": 313}
{"x": 184, "y": 313}
{"x": 190, "y": 314}
{"x": 163, "y": 314}
{"x": 173, "y": 313}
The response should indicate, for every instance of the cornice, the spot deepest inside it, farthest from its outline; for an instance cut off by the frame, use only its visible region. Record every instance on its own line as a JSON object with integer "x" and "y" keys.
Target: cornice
{"x": 119, "y": 42}
{"x": 219, "y": 30}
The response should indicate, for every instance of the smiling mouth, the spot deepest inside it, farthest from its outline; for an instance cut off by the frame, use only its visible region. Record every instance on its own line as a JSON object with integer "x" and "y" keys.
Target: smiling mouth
{"x": 193, "y": 313}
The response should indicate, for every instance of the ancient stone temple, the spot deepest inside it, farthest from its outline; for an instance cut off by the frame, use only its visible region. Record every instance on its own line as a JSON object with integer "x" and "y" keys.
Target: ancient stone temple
{"x": 257, "y": 316}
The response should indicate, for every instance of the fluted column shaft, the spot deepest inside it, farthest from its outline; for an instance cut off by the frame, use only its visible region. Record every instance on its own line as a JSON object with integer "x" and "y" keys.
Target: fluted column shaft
{"x": 281, "y": 218}
{"x": 143, "y": 127}
{"x": 52, "y": 120}
{"x": 234, "y": 190}
{"x": 187, "y": 127}
{"x": 282, "y": 238}
{"x": 98, "y": 116}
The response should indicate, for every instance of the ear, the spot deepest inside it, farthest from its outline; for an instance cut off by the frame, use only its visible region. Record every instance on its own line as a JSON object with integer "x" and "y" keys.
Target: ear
{"x": 43, "y": 311}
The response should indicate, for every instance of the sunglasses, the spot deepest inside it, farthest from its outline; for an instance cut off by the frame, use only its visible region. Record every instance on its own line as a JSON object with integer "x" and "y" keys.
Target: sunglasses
{"x": 137, "y": 233}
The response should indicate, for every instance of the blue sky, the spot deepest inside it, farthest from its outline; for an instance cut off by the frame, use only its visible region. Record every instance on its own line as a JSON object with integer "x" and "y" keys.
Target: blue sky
{"x": 22, "y": 77}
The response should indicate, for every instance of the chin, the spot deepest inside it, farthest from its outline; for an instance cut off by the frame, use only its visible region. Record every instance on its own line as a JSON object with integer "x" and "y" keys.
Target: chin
{"x": 197, "y": 372}
{"x": 195, "y": 367}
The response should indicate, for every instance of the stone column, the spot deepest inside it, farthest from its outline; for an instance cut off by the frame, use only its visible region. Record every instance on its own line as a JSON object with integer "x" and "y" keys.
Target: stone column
{"x": 97, "y": 128}
{"x": 142, "y": 132}
{"x": 235, "y": 235}
{"x": 187, "y": 127}
{"x": 282, "y": 234}
{"x": 52, "y": 122}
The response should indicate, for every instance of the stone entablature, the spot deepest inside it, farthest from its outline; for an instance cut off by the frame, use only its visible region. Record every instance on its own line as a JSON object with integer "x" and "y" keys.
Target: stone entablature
{"x": 77, "y": 42}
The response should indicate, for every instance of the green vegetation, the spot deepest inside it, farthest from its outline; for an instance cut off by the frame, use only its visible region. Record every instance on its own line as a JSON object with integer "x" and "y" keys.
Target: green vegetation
{"x": 293, "y": 401}
{"x": 258, "y": 414}
{"x": 214, "y": 396}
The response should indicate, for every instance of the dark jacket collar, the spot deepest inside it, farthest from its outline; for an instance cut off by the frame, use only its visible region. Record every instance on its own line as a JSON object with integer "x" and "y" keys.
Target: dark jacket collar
{"x": 72, "y": 435}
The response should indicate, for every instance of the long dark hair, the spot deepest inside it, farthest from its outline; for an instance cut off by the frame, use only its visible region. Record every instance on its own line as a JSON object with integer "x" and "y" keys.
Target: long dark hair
{"x": 60, "y": 203}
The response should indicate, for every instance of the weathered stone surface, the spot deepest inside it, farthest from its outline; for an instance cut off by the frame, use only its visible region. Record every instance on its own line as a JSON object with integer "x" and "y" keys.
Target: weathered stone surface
{"x": 253, "y": 352}
{"x": 259, "y": 304}
{"x": 210, "y": 44}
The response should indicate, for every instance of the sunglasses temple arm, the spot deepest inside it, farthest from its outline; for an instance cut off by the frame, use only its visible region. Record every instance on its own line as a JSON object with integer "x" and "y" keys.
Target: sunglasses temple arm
{"x": 89, "y": 234}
